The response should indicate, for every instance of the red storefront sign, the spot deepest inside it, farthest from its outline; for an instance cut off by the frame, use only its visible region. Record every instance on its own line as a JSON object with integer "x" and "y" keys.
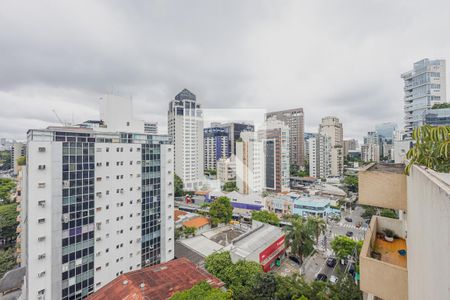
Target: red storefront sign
{"x": 269, "y": 250}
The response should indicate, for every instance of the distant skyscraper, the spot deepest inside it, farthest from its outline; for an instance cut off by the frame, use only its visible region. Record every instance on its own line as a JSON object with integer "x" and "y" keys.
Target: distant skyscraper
{"x": 97, "y": 202}
{"x": 371, "y": 150}
{"x": 386, "y": 130}
{"x": 294, "y": 119}
{"x": 275, "y": 138}
{"x": 185, "y": 128}
{"x": 331, "y": 127}
{"x": 320, "y": 156}
{"x": 350, "y": 145}
{"x": 234, "y": 130}
{"x": 307, "y": 137}
{"x": 249, "y": 164}
{"x": 216, "y": 146}
{"x": 425, "y": 86}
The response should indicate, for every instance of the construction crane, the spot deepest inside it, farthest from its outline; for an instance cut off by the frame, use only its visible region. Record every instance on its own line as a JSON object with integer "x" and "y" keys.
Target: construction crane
{"x": 59, "y": 119}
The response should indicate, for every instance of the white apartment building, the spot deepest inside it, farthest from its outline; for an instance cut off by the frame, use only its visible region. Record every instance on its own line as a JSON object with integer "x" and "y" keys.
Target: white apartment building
{"x": 425, "y": 85}
{"x": 151, "y": 127}
{"x": 331, "y": 127}
{"x": 250, "y": 168}
{"x": 185, "y": 127}
{"x": 275, "y": 137}
{"x": 320, "y": 156}
{"x": 370, "y": 152}
{"x": 226, "y": 169}
{"x": 97, "y": 203}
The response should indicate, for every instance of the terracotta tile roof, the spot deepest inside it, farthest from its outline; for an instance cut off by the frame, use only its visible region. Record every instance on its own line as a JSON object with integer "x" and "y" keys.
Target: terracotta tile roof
{"x": 178, "y": 213}
{"x": 157, "y": 282}
{"x": 196, "y": 222}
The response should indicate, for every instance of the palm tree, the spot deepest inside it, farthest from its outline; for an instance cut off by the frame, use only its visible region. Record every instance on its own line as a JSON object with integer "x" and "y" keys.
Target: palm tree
{"x": 317, "y": 225}
{"x": 299, "y": 237}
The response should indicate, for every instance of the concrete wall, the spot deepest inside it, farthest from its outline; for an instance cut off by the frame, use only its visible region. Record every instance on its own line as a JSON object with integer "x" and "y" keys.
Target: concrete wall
{"x": 383, "y": 189}
{"x": 428, "y": 234}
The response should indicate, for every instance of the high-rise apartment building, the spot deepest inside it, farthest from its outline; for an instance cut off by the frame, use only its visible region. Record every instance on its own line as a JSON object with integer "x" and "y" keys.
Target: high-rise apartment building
{"x": 226, "y": 169}
{"x": 351, "y": 144}
{"x": 320, "y": 156}
{"x": 234, "y": 130}
{"x": 331, "y": 127}
{"x": 386, "y": 130}
{"x": 97, "y": 202}
{"x": 17, "y": 150}
{"x": 216, "y": 146}
{"x": 185, "y": 127}
{"x": 294, "y": 119}
{"x": 249, "y": 164}
{"x": 414, "y": 263}
{"x": 275, "y": 138}
{"x": 370, "y": 152}
{"x": 425, "y": 85}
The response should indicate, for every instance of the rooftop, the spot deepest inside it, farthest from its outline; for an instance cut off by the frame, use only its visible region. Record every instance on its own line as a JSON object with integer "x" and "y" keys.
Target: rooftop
{"x": 178, "y": 214}
{"x": 196, "y": 222}
{"x": 389, "y": 251}
{"x": 383, "y": 167}
{"x": 157, "y": 282}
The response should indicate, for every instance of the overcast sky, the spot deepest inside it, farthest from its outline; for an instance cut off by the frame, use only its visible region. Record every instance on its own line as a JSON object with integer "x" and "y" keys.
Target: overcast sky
{"x": 341, "y": 58}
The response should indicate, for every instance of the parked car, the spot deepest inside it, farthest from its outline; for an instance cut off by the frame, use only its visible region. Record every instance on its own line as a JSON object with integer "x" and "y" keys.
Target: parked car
{"x": 331, "y": 262}
{"x": 294, "y": 259}
{"x": 349, "y": 233}
{"x": 333, "y": 279}
{"x": 321, "y": 277}
{"x": 348, "y": 219}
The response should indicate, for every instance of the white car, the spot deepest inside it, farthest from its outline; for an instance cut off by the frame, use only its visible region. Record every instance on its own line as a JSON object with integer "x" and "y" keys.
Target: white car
{"x": 333, "y": 279}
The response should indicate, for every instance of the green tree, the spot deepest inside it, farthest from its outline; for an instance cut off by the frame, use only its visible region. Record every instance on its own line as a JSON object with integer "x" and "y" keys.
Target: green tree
{"x": 241, "y": 277}
{"x": 369, "y": 211}
{"x": 265, "y": 286}
{"x": 220, "y": 211}
{"x": 388, "y": 213}
{"x": 5, "y": 160}
{"x": 201, "y": 291}
{"x": 299, "y": 237}
{"x": 344, "y": 246}
{"x": 431, "y": 148}
{"x": 229, "y": 186}
{"x": 8, "y": 222}
{"x": 345, "y": 288}
{"x": 317, "y": 226}
{"x": 265, "y": 217}
{"x": 7, "y": 261}
{"x": 178, "y": 186}
{"x": 351, "y": 181}
{"x": 188, "y": 231}
{"x": 22, "y": 161}
{"x": 217, "y": 263}
{"x": 7, "y": 186}
{"x": 441, "y": 105}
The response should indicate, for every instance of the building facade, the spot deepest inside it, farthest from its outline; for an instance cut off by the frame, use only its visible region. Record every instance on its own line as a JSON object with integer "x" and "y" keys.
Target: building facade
{"x": 185, "y": 128}
{"x": 370, "y": 152}
{"x": 425, "y": 85}
{"x": 350, "y": 145}
{"x": 234, "y": 130}
{"x": 216, "y": 146}
{"x": 275, "y": 139}
{"x": 17, "y": 150}
{"x": 151, "y": 127}
{"x": 226, "y": 169}
{"x": 386, "y": 130}
{"x": 294, "y": 119}
{"x": 98, "y": 203}
{"x": 438, "y": 117}
{"x": 320, "y": 152}
{"x": 331, "y": 127}
{"x": 250, "y": 167}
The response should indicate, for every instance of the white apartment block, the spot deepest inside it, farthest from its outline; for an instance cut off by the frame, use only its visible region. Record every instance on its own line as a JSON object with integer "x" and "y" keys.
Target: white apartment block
{"x": 185, "y": 127}
{"x": 250, "y": 168}
{"x": 425, "y": 85}
{"x": 319, "y": 156}
{"x": 226, "y": 169}
{"x": 331, "y": 127}
{"x": 370, "y": 153}
{"x": 97, "y": 203}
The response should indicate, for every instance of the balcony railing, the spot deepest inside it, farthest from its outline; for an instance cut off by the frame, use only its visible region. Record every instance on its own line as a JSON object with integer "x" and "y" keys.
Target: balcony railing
{"x": 383, "y": 185}
{"x": 383, "y": 268}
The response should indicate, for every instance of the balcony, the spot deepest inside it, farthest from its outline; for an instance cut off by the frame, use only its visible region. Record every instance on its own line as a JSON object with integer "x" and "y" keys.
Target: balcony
{"x": 383, "y": 270}
{"x": 383, "y": 185}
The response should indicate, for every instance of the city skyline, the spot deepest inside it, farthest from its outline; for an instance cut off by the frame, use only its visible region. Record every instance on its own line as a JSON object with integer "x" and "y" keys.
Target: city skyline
{"x": 234, "y": 55}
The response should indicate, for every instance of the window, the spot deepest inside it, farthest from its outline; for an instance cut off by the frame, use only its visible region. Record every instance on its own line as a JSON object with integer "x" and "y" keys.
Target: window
{"x": 41, "y": 185}
{"x": 41, "y": 256}
{"x": 131, "y": 162}
{"x": 41, "y": 203}
{"x": 41, "y": 292}
{"x": 41, "y": 221}
{"x": 107, "y": 163}
{"x": 99, "y": 149}
{"x": 41, "y": 167}
{"x": 41, "y": 238}
{"x": 41, "y": 149}
{"x": 41, "y": 274}
{"x": 107, "y": 149}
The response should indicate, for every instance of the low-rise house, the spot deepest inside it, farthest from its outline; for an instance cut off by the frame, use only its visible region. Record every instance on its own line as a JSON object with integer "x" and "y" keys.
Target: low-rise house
{"x": 200, "y": 223}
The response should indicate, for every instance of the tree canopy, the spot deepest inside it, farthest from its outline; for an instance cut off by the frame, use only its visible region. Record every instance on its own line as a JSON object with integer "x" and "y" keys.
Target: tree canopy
{"x": 178, "y": 186}
{"x": 22, "y": 161}
{"x": 441, "y": 105}
{"x": 220, "y": 211}
{"x": 202, "y": 291}
{"x": 5, "y": 159}
{"x": 351, "y": 181}
{"x": 229, "y": 186}
{"x": 388, "y": 213}
{"x": 265, "y": 217}
{"x": 7, "y": 260}
{"x": 7, "y": 186}
{"x": 8, "y": 222}
{"x": 299, "y": 237}
{"x": 344, "y": 246}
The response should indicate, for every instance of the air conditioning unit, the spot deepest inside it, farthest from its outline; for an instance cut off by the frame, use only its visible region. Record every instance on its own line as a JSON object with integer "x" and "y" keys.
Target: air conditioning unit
{"x": 41, "y": 203}
{"x": 41, "y": 167}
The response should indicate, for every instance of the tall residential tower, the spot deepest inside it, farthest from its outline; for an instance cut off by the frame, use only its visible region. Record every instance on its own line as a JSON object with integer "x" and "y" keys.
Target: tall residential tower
{"x": 331, "y": 127}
